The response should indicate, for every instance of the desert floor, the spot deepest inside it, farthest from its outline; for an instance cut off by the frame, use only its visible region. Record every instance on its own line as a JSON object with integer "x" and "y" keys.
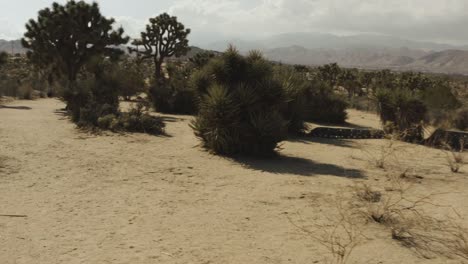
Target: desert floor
{"x": 135, "y": 198}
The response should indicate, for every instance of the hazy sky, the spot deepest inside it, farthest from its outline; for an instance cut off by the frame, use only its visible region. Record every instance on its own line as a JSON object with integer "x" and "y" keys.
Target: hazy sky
{"x": 436, "y": 20}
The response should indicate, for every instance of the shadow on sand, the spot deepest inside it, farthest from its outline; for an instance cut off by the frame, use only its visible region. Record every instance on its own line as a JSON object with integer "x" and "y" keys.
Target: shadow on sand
{"x": 298, "y": 166}
{"x": 345, "y": 143}
{"x": 16, "y": 107}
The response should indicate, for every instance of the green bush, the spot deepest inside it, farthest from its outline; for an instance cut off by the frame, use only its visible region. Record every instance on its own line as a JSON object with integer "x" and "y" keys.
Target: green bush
{"x": 403, "y": 113}
{"x": 325, "y": 106}
{"x": 136, "y": 120}
{"x": 201, "y": 59}
{"x": 90, "y": 114}
{"x": 329, "y": 109}
{"x": 240, "y": 105}
{"x": 110, "y": 122}
{"x": 130, "y": 76}
{"x": 97, "y": 100}
{"x": 174, "y": 95}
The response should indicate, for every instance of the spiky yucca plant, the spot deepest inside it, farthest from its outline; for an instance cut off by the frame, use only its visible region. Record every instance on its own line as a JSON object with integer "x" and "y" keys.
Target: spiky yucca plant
{"x": 296, "y": 89}
{"x": 240, "y": 105}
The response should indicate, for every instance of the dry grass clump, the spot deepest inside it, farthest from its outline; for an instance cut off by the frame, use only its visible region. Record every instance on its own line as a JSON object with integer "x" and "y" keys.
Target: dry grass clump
{"x": 455, "y": 159}
{"x": 413, "y": 226}
{"x": 431, "y": 237}
{"x": 366, "y": 193}
{"x": 340, "y": 238}
{"x": 381, "y": 157}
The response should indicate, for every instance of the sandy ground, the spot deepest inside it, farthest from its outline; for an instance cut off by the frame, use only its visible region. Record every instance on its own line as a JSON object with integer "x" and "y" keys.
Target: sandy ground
{"x": 137, "y": 198}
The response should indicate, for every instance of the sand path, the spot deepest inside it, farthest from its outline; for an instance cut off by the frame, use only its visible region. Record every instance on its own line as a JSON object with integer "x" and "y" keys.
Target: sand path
{"x": 142, "y": 199}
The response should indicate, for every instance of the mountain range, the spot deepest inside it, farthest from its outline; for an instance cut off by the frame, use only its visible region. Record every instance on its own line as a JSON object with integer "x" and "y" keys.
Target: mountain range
{"x": 12, "y": 46}
{"x": 365, "y": 51}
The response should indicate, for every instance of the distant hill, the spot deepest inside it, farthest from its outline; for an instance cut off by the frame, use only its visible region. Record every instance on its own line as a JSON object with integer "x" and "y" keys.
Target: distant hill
{"x": 447, "y": 61}
{"x": 13, "y": 46}
{"x": 350, "y": 57}
{"x": 330, "y": 41}
{"x": 195, "y": 50}
{"x": 361, "y": 51}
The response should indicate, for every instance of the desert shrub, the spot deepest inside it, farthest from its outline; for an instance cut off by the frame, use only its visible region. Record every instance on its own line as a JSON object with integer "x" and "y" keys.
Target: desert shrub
{"x": 131, "y": 78}
{"x": 325, "y": 106}
{"x": 21, "y": 90}
{"x": 460, "y": 119}
{"x": 110, "y": 122}
{"x": 362, "y": 103}
{"x": 25, "y": 92}
{"x": 137, "y": 120}
{"x": 168, "y": 98}
{"x": 174, "y": 95}
{"x": 78, "y": 95}
{"x": 90, "y": 114}
{"x": 439, "y": 96}
{"x": 200, "y": 59}
{"x": 308, "y": 100}
{"x": 240, "y": 105}
{"x": 19, "y": 79}
{"x": 96, "y": 95}
{"x": 402, "y": 113}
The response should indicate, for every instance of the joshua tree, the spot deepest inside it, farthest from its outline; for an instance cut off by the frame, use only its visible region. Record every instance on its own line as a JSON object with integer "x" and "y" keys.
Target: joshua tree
{"x": 329, "y": 73}
{"x": 348, "y": 78}
{"x": 68, "y": 36}
{"x": 164, "y": 37}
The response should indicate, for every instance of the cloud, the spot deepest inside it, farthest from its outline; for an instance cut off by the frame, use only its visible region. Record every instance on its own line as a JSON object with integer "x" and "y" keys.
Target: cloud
{"x": 132, "y": 26}
{"x": 445, "y": 21}
{"x": 8, "y": 31}
{"x": 419, "y": 19}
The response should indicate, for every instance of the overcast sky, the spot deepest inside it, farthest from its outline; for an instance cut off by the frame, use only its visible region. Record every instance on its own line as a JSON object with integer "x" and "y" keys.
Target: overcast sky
{"x": 210, "y": 20}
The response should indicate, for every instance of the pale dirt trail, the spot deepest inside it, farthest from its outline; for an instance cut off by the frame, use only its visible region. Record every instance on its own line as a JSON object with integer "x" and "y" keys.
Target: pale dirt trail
{"x": 142, "y": 199}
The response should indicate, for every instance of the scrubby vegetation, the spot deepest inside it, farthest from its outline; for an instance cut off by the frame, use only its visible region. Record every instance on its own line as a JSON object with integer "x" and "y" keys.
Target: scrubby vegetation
{"x": 175, "y": 95}
{"x": 136, "y": 120}
{"x": 20, "y": 79}
{"x": 402, "y": 113}
{"x": 405, "y": 101}
{"x": 240, "y": 104}
{"x": 309, "y": 99}
{"x": 77, "y": 45}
